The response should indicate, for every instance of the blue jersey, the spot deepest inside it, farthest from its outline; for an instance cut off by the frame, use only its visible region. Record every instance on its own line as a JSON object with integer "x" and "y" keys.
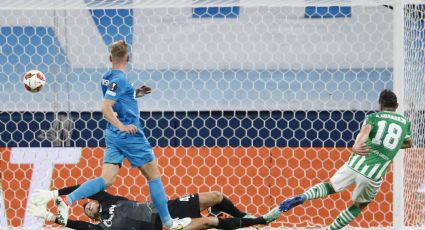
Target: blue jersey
{"x": 116, "y": 87}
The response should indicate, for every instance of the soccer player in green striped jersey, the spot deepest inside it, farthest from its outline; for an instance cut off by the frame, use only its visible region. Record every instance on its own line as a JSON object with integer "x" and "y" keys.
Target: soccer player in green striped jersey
{"x": 381, "y": 136}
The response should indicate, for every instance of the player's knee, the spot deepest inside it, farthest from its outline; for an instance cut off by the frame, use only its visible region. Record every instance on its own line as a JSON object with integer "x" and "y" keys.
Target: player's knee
{"x": 361, "y": 206}
{"x": 216, "y": 197}
{"x": 108, "y": 181}
{"x": 331, "y": 187}
{"x": 210, "y": 222}
{"x": 109, "y": 173}
{"x": 150, "y": 170}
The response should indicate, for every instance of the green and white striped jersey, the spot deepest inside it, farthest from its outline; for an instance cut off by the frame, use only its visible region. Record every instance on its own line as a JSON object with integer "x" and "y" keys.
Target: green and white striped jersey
{"x": 389, "y": 130}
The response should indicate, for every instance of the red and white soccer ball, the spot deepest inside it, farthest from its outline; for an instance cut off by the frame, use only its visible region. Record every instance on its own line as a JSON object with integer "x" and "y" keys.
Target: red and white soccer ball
{"x": 34, "y": 81}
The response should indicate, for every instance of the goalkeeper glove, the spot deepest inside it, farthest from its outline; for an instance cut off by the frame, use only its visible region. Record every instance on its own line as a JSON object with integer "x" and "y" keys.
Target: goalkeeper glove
{"x": 40, "y": 212}
{"x": 41, "y": 197}
{"x": 63, "y": 212}
{"x": 143, "y": 90}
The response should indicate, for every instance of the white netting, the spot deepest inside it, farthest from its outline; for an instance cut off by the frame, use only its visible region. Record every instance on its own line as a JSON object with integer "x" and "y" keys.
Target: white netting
{"x": 414, "y": 104}
{"x": 263, "y": 58}
{"x": 256, "y": 99}
{"x": 126, "y": 4}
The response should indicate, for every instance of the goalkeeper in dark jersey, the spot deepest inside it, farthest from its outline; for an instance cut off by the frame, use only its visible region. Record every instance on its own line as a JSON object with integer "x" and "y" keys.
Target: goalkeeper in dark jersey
{"x": 117, "y": 212}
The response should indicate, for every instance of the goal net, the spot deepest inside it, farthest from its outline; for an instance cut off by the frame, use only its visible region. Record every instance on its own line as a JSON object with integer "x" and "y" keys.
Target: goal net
{"x": 258, "y": 100}
{"x": 414, "y": 106}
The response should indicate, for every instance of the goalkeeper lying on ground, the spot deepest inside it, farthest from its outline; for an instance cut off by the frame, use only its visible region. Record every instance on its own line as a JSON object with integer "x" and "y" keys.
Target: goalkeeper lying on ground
{"x": 116, "y": 212}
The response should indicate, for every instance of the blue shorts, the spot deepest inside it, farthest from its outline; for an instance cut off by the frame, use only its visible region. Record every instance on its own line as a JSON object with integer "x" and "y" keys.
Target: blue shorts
{"x": 136, "y": 149}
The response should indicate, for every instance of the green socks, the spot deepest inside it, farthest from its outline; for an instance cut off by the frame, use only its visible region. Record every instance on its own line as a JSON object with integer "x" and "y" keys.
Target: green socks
{"x": 319, "y": 190}
{"x": 345, "y": 217}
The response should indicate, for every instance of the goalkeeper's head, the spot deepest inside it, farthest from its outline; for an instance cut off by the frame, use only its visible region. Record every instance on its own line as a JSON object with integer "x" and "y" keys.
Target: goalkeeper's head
{"x": 119, "y": 53}
{"x": 92, "y": 209}
{"x": 387, "y": 100}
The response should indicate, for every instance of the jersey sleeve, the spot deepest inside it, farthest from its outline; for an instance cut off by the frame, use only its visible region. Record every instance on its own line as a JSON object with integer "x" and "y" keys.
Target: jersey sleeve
{"x": 81, "y": 225}
{"x": 99, "y": 196}
{"x": 67, "y": 190}
{"x": 115, "y": 89}
{"x": 103, "y": 196}
{"x": 370, "y": 119}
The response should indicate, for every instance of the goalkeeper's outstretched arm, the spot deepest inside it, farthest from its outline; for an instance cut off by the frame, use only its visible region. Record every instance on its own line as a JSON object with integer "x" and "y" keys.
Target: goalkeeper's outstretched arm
{"x": 81, "y": 225}
{"x": 42, "y": 197}
{"x": 100, "y": 196}
{"x": 72, "y": 224}
{"x": 61, "y": 218}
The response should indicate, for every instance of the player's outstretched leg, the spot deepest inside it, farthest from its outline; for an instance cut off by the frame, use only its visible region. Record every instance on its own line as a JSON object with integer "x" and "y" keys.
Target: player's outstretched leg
{"x": 159, "y": 197}
{"x": 345, "y": 217}
{"x": 273, "y": 215}
{"x": 218, "y": 203}
{"x": 234, "y": 223}
{"x": 226, "y": 223}
{"x": 86, "y": 189}
{"x": 93, "y": 186}
{"x": 317, "y": 191}
{"x": 291, "y": 202}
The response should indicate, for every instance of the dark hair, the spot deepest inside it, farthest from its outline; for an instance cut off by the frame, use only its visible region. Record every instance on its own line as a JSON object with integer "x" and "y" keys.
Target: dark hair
{"x": 388, "y": 99}
{"x": 96, "y": 215}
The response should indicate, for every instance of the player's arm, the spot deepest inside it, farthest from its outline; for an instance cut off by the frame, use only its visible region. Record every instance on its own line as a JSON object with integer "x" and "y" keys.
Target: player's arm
{"x": 114, "y": 92}
{"x": 143, "y": 90}
{"x": 99, "y": 196}
{"x": 78, "y": 224}
{"x": 82, "y": 225}
{"x": 407, "y": 143}
{"x": 110, "y": 116}
{"x": 102, "y": 195}
{"x": 105, "y": 196}
{"x": 359, "y": 146}
{"x": 67, "y": 190}
{"x": 41, "y": 197}
{"x": 42, "y": 213}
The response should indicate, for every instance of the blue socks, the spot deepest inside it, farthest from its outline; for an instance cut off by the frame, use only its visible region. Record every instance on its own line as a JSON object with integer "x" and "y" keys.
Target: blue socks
{"x": 159, "y": 199}
{"x": 86, "y": 189}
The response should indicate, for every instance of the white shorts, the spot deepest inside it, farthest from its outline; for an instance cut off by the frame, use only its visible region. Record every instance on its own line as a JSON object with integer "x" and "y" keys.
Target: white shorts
{"x": 365, "y": 189}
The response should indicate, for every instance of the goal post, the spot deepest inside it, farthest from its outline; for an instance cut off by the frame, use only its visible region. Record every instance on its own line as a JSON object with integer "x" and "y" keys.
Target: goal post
{"x": 257, "y": 99}
{"x": 398, "y": 84}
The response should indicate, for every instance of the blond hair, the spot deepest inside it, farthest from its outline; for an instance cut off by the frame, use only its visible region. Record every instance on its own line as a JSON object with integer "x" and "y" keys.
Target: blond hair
{"x": 119, "y": 51}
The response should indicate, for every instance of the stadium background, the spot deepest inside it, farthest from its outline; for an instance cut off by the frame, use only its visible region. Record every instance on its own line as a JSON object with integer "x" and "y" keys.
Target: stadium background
{"x": 257, "y": 122}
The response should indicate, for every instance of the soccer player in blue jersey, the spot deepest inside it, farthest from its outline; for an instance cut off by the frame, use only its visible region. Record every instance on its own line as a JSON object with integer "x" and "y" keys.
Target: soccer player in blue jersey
{"x": 125, "y": 138}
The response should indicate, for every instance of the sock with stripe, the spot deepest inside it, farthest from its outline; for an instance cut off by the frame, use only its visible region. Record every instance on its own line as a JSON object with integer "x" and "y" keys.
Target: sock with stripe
{"x": 345, "y": 217}
{"x": 319, "y": 190}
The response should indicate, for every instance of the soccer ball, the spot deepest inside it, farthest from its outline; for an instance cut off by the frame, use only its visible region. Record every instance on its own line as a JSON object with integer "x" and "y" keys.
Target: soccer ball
{"x": 34, "y": 81}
